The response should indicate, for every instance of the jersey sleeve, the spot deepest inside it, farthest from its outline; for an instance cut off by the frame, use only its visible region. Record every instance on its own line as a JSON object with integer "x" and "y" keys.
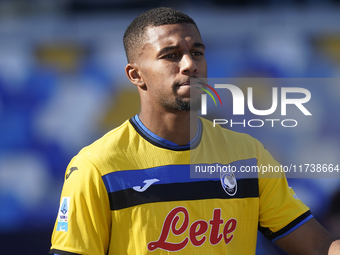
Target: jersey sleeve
{"x": 281, "y": 211}
{"x": 83, "y": 222}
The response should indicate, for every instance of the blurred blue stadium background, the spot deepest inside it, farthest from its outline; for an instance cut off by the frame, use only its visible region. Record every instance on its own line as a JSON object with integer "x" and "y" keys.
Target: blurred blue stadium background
{"x": 62, "y": 85}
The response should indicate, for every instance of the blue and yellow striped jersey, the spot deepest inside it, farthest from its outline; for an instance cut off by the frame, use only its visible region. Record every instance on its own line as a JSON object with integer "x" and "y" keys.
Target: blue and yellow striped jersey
{"x": 132, "y": 192}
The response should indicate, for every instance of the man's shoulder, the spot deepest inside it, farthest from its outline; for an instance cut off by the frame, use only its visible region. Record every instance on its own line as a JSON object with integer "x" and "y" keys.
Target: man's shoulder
{"x": 114, "y": 136}
{"x": 111, "y": 144}
{"x": 220, "y": 133}
{"x": 235, "y": 145}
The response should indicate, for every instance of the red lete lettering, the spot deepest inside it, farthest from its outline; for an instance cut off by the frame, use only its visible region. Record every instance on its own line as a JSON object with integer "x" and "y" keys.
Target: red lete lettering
{"x": 197, "y": 229}
{"x": 171, "y": 221}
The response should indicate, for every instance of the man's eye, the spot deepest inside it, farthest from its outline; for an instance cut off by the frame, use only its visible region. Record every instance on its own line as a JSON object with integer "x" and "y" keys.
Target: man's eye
{"x": 172, "y": 55}
{"x": 197, "y": 53}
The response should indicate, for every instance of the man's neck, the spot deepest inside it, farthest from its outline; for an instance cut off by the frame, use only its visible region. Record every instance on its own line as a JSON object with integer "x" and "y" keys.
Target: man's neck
{"x": 179, "y": 127}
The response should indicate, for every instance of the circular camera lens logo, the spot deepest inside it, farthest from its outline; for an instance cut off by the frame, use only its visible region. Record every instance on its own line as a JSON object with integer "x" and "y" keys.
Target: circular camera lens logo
{"x": 229, "y": 184}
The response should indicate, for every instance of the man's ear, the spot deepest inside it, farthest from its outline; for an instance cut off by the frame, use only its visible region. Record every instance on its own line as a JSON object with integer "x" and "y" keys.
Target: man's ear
{"x": 132, "y": 72}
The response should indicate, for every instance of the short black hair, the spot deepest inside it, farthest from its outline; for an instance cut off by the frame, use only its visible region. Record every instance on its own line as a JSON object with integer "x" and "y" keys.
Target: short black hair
{"x": 134, "y": 34}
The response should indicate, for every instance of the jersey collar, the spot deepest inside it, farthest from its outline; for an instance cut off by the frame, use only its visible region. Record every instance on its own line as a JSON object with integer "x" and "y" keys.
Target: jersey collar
{"x": 164, "y": 143}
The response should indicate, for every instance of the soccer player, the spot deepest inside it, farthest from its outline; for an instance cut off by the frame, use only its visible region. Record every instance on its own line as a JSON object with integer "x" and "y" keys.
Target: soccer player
{"x": 130, "y": 192}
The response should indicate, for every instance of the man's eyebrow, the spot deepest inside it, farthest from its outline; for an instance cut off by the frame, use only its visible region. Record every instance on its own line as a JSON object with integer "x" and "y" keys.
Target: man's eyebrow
{"x": 174, "y": 47}
{"x": 199, "y": 45}
{"x": 168, "y": 48}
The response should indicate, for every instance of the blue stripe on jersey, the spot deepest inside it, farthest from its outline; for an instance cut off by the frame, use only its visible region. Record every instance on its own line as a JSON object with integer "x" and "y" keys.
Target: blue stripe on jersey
{"x": 185, "y": 191}
{"x": 122, "y": 180}
{"x": 295, "y": 227}
{"x": 59, "y": 252}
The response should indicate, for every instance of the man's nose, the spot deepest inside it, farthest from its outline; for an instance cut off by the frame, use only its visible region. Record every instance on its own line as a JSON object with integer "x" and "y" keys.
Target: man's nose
{"x": 188, "y": 65}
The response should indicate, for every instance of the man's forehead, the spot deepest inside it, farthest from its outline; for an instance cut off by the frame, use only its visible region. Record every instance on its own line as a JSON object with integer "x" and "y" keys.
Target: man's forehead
{"x": 168, "y": 34}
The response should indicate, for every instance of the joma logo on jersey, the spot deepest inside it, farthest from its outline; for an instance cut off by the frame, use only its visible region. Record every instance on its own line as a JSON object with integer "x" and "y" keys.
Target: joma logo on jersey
{"x": 197, "y": 231}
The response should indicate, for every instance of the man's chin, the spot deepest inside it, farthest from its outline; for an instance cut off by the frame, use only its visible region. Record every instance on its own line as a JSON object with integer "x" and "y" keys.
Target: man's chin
{"x": 188, "y": 104}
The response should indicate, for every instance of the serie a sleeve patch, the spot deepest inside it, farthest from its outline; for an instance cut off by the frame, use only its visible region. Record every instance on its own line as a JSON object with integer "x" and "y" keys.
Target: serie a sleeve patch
{"x": 63, "y": 214}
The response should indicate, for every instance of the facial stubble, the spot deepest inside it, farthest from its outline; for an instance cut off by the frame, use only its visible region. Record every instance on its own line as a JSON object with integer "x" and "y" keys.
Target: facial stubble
{"x": 179, "y": 103}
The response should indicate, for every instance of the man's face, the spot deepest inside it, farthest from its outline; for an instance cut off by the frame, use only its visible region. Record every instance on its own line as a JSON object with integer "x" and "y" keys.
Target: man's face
{"x": 171, "y": 55}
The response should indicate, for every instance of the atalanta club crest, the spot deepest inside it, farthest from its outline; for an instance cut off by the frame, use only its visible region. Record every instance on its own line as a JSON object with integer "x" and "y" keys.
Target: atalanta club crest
{"x": 229, "y": 183}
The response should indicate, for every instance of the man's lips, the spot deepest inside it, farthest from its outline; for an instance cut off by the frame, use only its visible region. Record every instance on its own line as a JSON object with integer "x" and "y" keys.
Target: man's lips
{"x": 193, "y": 81}
{"x": 182, "y": 84}
{"x": 187, "y": 83}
